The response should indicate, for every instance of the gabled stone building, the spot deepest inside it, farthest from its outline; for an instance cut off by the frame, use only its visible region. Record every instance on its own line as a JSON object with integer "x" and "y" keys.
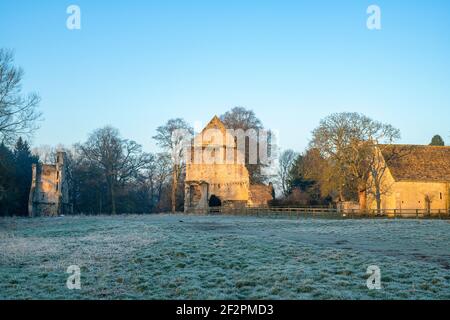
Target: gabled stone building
{"x": 213, "y": 183}
{"x": 416, "y": 177}
{"x": 49, "y": 193}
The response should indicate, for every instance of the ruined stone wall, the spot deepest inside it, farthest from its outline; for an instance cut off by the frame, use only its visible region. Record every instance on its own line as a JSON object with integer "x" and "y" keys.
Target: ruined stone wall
{"x": 49, "y": 193}
{"x": 47, "y": 184}
{"x": 210, "y": 171}
{"x": 226, "y": 181}
{"x": 260, "y": 195}
{"x": 196, "y": 197}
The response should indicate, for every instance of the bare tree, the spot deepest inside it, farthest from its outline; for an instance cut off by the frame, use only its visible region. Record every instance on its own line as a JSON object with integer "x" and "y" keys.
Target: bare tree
{"x": 119, "y": 159}
{"x": 382, "y": 157}
{"x": 155, "y": 177}
{"x": 46, "y": 153}
{"x": 162, "y": 174}
{"x": 347, "y": 140}
{"x": 314, "y": 167}
{"x": 429, "y": 198}
{"x": 285, "y": 163}
{"x": 241, "y": 118}
{"x": 172, "y": 138}
{"x": 18, "y": 112}
{"x": 244, "y": 119}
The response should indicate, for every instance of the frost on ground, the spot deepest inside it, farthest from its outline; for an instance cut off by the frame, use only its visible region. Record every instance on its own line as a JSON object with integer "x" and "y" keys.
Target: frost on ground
{"x": 223, "y": 257}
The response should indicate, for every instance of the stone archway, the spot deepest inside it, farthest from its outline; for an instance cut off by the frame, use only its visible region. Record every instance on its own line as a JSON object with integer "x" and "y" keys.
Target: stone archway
{"x": 196, "y": 197}
{"x": 214, "y": 201}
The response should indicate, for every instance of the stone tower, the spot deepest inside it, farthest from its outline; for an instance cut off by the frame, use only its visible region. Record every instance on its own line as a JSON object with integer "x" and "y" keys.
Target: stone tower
{"x": 215, "y": 181}
{"x": 49, "y": 193}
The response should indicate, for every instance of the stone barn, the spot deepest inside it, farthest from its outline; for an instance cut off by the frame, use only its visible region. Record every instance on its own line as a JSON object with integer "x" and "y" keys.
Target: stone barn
{"x": 419, "y": 178}
{"x": 49, "y": 193}
{"x": 216, "y": 180}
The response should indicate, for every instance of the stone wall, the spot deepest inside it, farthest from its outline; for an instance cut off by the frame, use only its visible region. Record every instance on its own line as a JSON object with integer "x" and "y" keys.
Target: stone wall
{"x": 410, "y": 195}
{"x": 209, "y": 173}
{"x": 49, "y": 192}
{"x": 225, "y": 181}
{"x": 415, "y": 195}
{"x": 196, "y": 197}
{"x": 260, "y": 195}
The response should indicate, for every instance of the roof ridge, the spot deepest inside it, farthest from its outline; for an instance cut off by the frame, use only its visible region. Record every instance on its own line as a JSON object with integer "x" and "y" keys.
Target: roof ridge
{"x": 411, "y": 145}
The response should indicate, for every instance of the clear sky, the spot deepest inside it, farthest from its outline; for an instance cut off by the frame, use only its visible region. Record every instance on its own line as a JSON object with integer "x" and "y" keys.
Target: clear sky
{"x": 135, "y": 64}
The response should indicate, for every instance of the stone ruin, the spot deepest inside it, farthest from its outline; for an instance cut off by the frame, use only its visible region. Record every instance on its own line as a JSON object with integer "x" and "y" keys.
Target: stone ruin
{"x": 225, "y": 185}
{"x": 49, "y": 193}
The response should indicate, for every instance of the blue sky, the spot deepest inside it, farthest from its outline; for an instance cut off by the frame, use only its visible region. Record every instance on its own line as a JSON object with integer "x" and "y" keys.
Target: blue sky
{"x": 135, "y": 64}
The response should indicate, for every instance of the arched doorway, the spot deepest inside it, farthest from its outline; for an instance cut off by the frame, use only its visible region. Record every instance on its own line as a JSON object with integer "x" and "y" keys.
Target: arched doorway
{"x": 214, "y": 201}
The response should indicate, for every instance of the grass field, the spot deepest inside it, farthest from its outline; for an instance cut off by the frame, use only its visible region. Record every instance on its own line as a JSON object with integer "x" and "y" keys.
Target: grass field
{"x": 223, "y": 257}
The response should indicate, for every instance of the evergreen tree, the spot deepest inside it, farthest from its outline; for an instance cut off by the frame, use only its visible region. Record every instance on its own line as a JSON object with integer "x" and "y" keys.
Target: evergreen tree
{"x": 296, "y": 178}
{"x": 23, "y": 162}
{"x": 437, "y": 141}
{"x": 7, "y": 181}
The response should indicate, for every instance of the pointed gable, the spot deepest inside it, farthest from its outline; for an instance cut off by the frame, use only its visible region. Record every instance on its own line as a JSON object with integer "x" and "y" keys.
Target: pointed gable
{"x": 215, "y": 123}
{"x": 204, "y": 138}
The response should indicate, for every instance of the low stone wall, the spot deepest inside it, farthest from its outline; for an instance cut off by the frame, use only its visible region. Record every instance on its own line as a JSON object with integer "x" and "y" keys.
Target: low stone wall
{"x": 260, "y": 195}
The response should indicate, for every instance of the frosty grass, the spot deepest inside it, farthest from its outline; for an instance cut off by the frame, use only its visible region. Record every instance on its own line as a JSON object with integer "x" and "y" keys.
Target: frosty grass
{"x": 223, "y": 257}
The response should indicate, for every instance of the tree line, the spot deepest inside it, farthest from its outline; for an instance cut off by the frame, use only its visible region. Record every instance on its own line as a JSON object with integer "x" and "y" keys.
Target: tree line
{"x": 111, "y": 174}
{"x": 107, "y": 173}
{"x": 19, "y": 116}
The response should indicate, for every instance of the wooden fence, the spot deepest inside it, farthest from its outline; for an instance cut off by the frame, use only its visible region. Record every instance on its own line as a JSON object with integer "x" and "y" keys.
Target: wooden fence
{"x": 333, "y": 212}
